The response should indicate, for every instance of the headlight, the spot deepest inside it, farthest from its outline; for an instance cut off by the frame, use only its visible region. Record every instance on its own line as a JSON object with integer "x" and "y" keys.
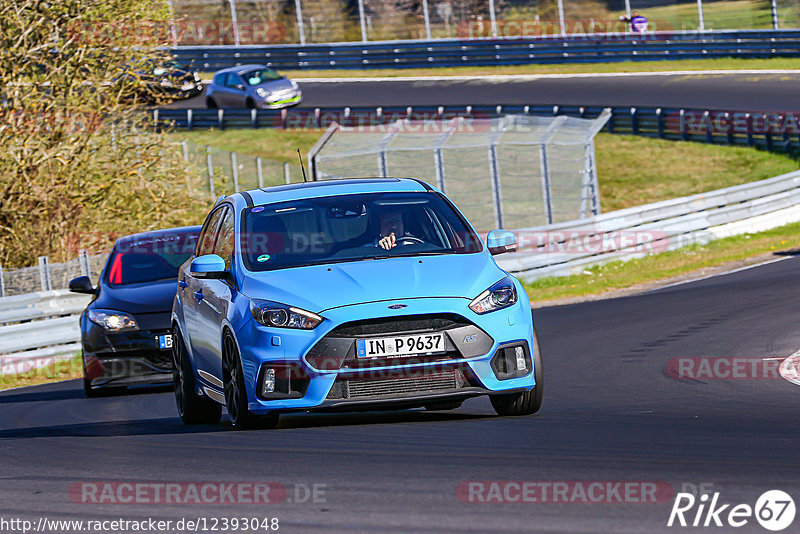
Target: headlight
{"x": 263, "y": 93}
{"x": 113, "y": 321}
{"x": 282, "y": 316}
{"x": 501, "y": 295}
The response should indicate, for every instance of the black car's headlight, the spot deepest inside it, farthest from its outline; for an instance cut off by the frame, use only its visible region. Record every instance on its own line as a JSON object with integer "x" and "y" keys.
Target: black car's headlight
{"x": 279, "y": 315}
{"x": 501, "y": 295}
{"x": 113, "y": 321}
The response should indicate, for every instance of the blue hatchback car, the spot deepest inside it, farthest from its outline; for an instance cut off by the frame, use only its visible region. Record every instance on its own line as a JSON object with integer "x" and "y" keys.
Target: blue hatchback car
{"x": 348, "y": 295}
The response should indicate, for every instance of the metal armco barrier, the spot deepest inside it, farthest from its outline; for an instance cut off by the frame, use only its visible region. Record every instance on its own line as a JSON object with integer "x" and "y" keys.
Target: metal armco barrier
{"x": 39, "y": 328}
{"x": 779, "y": 132}
{"x": 579, "y": 48}
{"x": 568, "y": 248}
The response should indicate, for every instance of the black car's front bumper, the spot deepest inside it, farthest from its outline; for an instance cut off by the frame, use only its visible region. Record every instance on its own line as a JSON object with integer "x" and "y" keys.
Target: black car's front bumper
{"x": 125, "y": 358}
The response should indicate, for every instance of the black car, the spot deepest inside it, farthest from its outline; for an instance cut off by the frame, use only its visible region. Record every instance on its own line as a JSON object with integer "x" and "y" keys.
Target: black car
{"x": 159, "y": 80}
{"x": 125, "y": 329}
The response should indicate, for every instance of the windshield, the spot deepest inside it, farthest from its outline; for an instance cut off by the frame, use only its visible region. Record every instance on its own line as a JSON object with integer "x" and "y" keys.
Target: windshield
{"x": 149, "y": 258}
{"x": 352, "y": 228}
{"x": 259, "y": 76}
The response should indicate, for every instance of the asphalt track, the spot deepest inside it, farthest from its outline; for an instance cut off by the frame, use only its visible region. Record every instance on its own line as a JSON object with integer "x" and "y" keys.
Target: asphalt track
{"x": 727, "y": 92}
{"x": 611, "y": 413}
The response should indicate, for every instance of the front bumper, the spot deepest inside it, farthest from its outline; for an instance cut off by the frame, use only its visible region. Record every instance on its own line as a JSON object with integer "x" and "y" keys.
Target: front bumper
{"x": 281, "y": 102}
{"x": 305, "y": 381}
{"x": 116, "y": 359}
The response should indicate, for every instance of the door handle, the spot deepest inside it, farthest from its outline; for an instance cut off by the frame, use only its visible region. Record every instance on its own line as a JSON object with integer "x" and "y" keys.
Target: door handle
{"x": 198, "y": 295}
{"x": 183, "y": 284}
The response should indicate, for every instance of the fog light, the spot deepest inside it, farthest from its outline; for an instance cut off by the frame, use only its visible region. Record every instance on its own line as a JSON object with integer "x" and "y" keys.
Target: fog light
{"x": 519, "y": 352}
{"x": 269, "y": 382}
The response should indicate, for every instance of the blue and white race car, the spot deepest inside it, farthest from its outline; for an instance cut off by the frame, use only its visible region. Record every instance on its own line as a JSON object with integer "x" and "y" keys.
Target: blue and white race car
{"x": 346, "y": 295}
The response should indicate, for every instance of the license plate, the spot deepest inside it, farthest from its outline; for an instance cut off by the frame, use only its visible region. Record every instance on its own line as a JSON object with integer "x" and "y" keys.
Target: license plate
{"x": 400, "y": 345}
{"x": 165, "y": 341}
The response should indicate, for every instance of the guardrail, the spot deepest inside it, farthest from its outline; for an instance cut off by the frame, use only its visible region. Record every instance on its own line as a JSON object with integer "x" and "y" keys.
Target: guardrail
{"x": 568, "y": 248}
{"x": 39, "y": 328}
{"x": 771, "y": 131}
{"x": 579, "y": 48}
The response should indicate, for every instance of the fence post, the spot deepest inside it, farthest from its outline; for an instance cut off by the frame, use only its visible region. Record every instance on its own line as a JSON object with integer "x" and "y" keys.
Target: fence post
{"x": 498, "y": 200}
{"x": 709, "y": 127}
{"x": 492, "y": 18}
{"x": 286, "y": 173}
{"x": 254, "y": 118}
{"x": 774, "y": 12}
{"x": 235, "y": 169}
{"x": 300, "y": 27}
{"x": 2, "y": 283}
{"x": 44, "y": 273}
{"x": 561, "y": 24}
{"x": 260, "y": 172}
{"x": 363, "y": 21}
{"x": 545, "y": 171}
{"x": 660, "y": 123}
{"x": 382, "y": 171}
{"x": 635, "y": 121}
{"x": 189, "y": 119}
{"x": 210, "y": 169}
{"x": 439, "y": 162}
{"x": 701, "y": 23}
{"x": 172, "y": 31}
{"x": 83, "y": 259}
{"x": 427, "y": 16}
{"x": 234, "y": 22}
{"x": 683, "y": 127}
{"x": 221, "y": 119}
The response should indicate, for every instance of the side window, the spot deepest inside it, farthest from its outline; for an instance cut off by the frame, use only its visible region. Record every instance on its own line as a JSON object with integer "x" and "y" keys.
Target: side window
{"x": 219, "y": 79}
{"x": 224, "y": 246}
{"x": 233, "y": 80}
{"x": 205, "y": 245}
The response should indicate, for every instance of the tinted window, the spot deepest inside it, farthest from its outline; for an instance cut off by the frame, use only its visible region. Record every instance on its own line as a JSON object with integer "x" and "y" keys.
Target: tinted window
{"x": 224, "y": 245}
{"x": 259, "y": 76}
{"x": 149, "y": 258}
{"x": 219, "y": 79}
{"x": 349, "y": 228}
{"x": 206, "y": 244}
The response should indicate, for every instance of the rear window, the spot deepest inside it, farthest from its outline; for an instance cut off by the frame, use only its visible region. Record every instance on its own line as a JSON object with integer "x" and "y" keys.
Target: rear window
{"x": 149, "y": 258}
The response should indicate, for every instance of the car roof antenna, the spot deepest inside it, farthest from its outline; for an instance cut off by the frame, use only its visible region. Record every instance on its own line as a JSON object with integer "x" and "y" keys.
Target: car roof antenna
{"x": 301, "y": 166}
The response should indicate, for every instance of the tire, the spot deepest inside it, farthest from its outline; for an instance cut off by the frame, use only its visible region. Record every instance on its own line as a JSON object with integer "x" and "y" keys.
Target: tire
{"x": 249, "y": 103}
{"x": 211, "y": 103}
{"x": 236, "y": 392}
{"x": 528, "y": 402}
{"x": 193, "y": 409}
{"x": 444, "y": 405}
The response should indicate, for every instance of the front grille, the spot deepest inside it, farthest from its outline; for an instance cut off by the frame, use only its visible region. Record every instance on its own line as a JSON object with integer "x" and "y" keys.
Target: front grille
{"x": 407, "y": 324}
{"x": 434, "y": 381}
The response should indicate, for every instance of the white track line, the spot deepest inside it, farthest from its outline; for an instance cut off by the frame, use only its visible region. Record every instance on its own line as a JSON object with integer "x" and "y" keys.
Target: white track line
{"x": 739, "y": 269}
{"x": 531, "y": 77}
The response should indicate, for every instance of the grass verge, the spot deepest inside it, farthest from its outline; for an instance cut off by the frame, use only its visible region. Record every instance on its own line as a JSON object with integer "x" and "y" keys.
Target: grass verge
{"x": 620, "y": 275}
{"x": 55, "y": 372}
{"x": 637, "y": 170}
{"x": 582, "y": 68}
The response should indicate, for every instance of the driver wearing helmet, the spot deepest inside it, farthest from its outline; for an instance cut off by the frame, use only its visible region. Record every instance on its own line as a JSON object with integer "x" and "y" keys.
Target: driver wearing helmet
{"x": 393, "y": 231}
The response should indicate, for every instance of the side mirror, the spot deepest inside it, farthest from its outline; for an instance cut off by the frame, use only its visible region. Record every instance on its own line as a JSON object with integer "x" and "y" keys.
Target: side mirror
{"x": 500, "y": 241}
{"x": 81, "y": 284}
{"x": 208, "y": 266}
{"x": 240, "y": 87}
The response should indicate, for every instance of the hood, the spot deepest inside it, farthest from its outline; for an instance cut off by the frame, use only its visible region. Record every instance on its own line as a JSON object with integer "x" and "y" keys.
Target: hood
{"x": 146, "y": 297}
{"x": 321, "y": 287}
{"x": 274, "y": 86}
